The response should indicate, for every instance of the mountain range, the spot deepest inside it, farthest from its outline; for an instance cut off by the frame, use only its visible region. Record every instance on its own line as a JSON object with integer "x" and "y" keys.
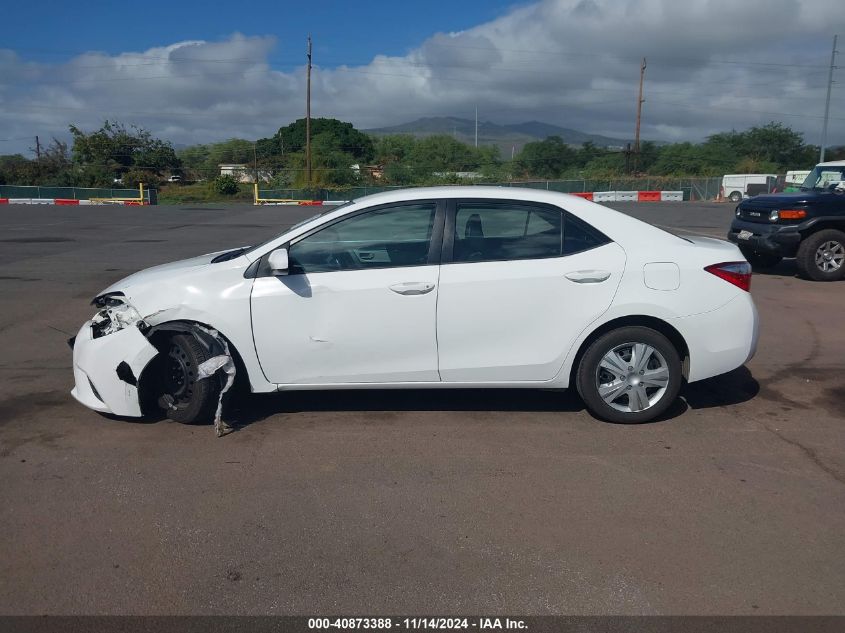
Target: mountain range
{"x": 508, "y": 137}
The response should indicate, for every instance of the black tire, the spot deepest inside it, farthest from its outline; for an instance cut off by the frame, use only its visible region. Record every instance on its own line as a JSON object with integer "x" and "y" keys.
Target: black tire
{"x": 589, "y": 376}
{"x": 810, "y": 247}
{"x": 735, "y": 196}
{"x": 761, "y": 260}
{"x": 183, "y": 398}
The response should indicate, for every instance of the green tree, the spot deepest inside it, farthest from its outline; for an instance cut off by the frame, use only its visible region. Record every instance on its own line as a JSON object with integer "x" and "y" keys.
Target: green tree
{"x": 341, "y": 137}
{"x": 394, "y": 148}
{"x": 442, "y": 153}
{"x": 545, "y": 159}
{"x": 15, "y": 169}
{"x": 396, "y": 173}
{"x": 114, "y": 149}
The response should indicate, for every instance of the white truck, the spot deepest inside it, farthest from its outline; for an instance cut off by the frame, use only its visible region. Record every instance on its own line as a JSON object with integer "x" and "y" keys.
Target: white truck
{"x": 735, "y": 187}
{"x": 794, "y": 180}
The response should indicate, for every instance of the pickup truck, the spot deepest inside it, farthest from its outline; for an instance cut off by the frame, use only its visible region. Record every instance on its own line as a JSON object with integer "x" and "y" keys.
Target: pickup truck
{"x": 808, "y": 225}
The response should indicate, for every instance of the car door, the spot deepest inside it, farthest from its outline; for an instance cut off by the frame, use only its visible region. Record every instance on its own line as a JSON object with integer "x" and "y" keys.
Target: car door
{"x": 519, "y": 282}
{"x": 359, "y": 302}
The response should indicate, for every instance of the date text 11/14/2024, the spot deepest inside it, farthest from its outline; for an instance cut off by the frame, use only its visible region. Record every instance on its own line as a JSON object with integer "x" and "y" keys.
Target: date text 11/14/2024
{"x": 418, "y": 623}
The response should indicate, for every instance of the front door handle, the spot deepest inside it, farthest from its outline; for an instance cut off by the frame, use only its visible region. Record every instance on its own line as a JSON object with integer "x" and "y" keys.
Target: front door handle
{"x": 412, "y": 287}
{"x": 588, "y": 276}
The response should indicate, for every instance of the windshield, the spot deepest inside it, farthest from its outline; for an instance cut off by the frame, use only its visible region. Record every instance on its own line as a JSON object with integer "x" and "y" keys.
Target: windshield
{"x": 822, "y": 177}
{"x": 298, "y": 224}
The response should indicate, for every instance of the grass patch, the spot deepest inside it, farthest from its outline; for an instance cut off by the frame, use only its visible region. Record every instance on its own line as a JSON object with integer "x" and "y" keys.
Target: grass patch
{"x": 201, "y": 192}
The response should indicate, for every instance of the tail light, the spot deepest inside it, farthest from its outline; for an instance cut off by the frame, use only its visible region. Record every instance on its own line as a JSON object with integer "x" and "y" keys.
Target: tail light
{"x": 737, "y": 273}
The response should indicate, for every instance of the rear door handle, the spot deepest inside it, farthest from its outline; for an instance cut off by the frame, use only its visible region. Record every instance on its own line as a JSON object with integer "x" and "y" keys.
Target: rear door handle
{"x": 412, "y": 287}
{"x": 588, "y": 276}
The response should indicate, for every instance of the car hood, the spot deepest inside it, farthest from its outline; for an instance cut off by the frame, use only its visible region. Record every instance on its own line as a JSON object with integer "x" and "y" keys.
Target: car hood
{"x": 162, "y": 273}
{"x": 779, "y": 200}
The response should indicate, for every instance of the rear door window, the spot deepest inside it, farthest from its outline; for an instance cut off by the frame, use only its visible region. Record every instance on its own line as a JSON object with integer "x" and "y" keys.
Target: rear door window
{"x": 502, "y": 231}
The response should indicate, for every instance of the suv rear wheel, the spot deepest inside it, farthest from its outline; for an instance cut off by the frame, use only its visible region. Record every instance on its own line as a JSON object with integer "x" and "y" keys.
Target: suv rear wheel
{"x": 821, "y": 256}
{"x": 629, "y": 375}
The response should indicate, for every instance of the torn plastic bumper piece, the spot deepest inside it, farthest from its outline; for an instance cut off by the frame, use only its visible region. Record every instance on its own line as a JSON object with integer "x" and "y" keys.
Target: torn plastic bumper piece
{"x": 106, "y": 369}
{"x": 222, "y": 362}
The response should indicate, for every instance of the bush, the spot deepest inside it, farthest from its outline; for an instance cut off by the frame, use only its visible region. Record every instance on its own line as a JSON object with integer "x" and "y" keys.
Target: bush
{"x": 132, "y": 177}
{"x": 226, "y": 185}
{"x": 200, "y": 192}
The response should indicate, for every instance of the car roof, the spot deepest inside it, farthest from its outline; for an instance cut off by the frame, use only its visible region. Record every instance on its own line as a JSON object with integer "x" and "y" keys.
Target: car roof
{"x": 466, "y": 191}
{"x": 833, "y": 163}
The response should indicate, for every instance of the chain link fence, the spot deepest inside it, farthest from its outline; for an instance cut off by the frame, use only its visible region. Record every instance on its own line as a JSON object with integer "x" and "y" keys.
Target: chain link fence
{"x": 693, "y": 188}
{"x": 72, "y": 193}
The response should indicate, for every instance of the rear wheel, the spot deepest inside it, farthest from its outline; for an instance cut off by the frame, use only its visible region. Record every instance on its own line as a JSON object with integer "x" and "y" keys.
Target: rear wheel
{"x": 183, "y": 398}
{"x": 821, "y": 256}
{"x": 629, "y": 375}
{"x": 761, "y": 260}
{"x": 735, "y": 196}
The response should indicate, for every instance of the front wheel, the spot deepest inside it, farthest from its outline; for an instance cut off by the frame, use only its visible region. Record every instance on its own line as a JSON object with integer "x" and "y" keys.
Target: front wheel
{"x": 735, "y": 196}
{"x": 184, "y": 398}
{"x": 821, "y": 256}
{"x": 629, "y": 375}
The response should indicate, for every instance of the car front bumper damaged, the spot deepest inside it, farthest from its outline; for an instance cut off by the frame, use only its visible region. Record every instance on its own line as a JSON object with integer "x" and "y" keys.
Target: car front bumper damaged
{"x": 112, "y": 350}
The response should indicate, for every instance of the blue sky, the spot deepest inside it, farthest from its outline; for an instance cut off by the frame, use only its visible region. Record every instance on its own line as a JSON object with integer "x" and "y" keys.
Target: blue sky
{"x": 350, "y": 32}
{"x": 197, "y": 72}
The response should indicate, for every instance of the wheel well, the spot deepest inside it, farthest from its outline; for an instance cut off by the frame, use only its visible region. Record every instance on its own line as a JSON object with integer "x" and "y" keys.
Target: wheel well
{"x": 160, "y": 334}
{"x": 821, "y": 226}
{"x": 654, "y": 323}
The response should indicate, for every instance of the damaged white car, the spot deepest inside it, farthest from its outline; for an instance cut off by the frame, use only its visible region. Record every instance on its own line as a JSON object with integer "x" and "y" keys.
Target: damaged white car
{"x": 427, "y": 288}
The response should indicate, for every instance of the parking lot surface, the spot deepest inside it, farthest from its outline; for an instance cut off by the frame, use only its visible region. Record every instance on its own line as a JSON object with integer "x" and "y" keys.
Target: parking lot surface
{"x": 391, "y": 502}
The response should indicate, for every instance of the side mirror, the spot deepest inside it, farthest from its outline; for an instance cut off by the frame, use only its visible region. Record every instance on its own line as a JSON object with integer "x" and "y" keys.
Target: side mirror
{"x": 278, "y": 261}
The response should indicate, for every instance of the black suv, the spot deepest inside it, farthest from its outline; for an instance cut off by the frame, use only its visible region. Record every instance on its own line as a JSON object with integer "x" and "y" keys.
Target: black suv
{"x": 808, "y": 225}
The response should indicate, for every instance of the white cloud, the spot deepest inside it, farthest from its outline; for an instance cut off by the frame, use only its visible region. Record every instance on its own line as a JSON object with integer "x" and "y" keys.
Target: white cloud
{"x": 712, "y": 65}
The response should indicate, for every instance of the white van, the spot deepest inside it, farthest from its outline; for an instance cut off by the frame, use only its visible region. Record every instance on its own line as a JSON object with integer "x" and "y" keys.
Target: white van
{"x": 735, "y": 187}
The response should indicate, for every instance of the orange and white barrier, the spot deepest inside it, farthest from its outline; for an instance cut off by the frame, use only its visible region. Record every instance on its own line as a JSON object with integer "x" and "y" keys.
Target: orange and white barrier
{"x": 64, "y": 202}
{"x": 631, "y": 196}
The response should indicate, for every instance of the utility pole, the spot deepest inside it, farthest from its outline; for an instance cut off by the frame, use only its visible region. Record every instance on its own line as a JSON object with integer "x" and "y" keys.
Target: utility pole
{"x": 476, "y": 126}
{"x": 827, "y": 102}
{"x": 308, "y": 116}
{"x": 639, "y": 115}
{"x": 38, "y": 157}
{"x": 255, "y": 160}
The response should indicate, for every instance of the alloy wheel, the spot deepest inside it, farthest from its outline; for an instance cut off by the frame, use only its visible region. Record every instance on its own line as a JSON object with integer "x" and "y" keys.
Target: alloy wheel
{"x": 830, "y": 256}
{"x": 632, "y": 377}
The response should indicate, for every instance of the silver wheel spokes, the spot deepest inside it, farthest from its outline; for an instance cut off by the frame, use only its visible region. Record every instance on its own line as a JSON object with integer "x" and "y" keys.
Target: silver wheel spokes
{"x": 632, "y": 377}
{"x": 830, "y": 256}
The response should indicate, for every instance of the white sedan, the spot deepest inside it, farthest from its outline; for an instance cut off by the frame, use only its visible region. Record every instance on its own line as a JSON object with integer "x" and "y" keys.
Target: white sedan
{"x": 431, "y": 288}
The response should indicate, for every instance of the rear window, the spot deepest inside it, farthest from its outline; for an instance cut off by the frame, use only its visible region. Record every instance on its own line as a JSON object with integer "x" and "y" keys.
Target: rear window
{"x": 579, "y": 236}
